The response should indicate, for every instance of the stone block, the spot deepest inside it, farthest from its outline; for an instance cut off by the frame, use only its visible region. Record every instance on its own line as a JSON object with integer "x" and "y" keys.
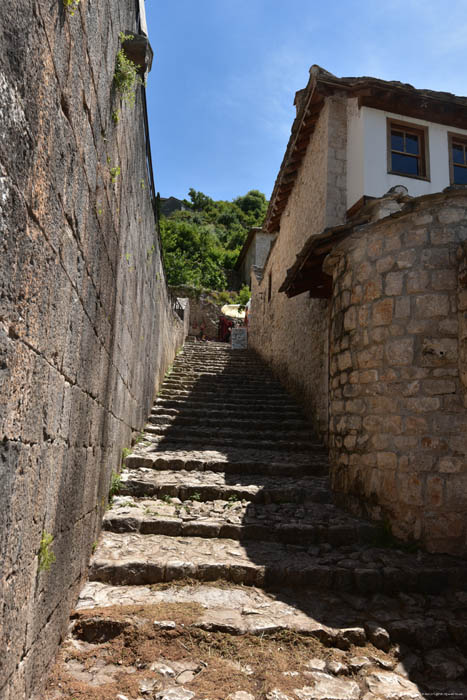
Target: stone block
{"x": 451, "y": 215}
{"x": 431, "y": 306}
{"x": 438, "y": 351}
{"x": 443, "y": 525}
{"x": 386, "y": 460}
{"x": 435, "y": 258}
{"x": 402, "y": 308}
{"x": 370, "y": 358}
{"x": 422, "y": 404}
{"x": 443, "y": 280}
{"x": 406, "y": 259}
{"x": 415, "y": 237}
{"x": 394, "y": 283}
{"x": 410, "y": 487}
{"x": 391, "y": 424}
{"x": 382, "y": 312}
{"x": 417, "y": 281}
{"x": 434, "y": 387}
{"x": 400, "y": 352}
{"x": 385, "y": 264}
{"x": 434, "y": 491}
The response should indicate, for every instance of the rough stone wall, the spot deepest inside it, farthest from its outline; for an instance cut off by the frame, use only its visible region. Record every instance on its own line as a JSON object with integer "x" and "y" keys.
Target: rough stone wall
{"x": 398, "y": 371}
{"x": 292, "y": 334}
{"x": 86, "y": 327}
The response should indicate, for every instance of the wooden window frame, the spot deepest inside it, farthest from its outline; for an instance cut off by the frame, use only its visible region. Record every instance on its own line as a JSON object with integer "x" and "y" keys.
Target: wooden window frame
{"x": 458, "y": 138}
{"x": 422, "y": 132}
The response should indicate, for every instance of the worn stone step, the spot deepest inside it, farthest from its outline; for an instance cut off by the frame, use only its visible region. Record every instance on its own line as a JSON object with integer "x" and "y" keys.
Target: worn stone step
{"x": 243, "y": 424}
{"x": 227, "y": 402}
{"x": 134, "y": 559}
{"x": 184, "y": 373}
{"x": 178, "y": 408}
{"x": 212, "y": 486}
{"x": 249, "y": 433}
{"x": 179, "y": 439}
{"x": 237, "y": 462}
{"x": 336, "y": 619}
{"x": 304, "y": 524}
{"x": 239, "y": 398}
{"x": 241, "y": 386}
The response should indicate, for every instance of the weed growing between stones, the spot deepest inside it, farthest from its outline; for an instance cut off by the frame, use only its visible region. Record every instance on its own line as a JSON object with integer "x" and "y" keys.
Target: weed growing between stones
{"x": 115, "y": 483}
{"x": 126, "y": 77}
{"x": 71, "y": 6}
{"x": 46, "y": 556}
{"x": 114, "y": 173}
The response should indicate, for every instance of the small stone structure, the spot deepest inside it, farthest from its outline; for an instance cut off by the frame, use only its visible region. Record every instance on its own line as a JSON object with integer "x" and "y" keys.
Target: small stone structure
{"x": 398, "y": 422}
{"x": 254, "y": 252}
{"x": 372, "y": 336}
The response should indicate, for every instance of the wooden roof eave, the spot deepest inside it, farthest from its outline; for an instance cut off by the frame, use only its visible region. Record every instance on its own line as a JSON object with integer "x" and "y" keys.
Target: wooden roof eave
{"x": 307, "y": 273}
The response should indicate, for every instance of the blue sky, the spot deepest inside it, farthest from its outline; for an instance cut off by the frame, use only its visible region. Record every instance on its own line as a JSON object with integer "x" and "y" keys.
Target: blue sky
{"x": 225, "y": 73}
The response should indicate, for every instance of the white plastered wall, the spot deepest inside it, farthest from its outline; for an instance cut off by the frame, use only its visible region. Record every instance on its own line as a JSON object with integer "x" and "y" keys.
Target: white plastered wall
{"x": 367, "y": 154}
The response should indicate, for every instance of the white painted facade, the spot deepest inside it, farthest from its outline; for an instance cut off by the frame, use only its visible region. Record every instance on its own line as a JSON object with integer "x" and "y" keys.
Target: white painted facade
{"x": 367, "y": 158}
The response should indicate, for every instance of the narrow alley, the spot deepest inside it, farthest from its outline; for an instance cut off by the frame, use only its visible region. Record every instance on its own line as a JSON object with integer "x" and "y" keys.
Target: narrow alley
{"x": 225, "y": 572}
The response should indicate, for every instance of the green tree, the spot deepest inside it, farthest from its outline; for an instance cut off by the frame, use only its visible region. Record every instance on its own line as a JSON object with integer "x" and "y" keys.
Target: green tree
{"x": 202, "y": 242}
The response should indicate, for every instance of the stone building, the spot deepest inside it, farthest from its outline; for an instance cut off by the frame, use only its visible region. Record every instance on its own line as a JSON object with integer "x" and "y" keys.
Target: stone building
{"x": 254, "y": 252}
{"x": 361, "y": 305}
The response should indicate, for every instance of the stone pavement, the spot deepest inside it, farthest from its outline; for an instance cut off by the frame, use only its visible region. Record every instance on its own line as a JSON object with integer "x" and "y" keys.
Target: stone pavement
{"x": 225, "y": 572}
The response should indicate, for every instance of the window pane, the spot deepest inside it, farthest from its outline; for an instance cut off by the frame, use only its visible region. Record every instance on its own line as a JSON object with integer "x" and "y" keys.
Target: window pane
{"x": 457, "y": 153}
{"x": 404, "y": 164}
{"x": 412, "y": 143}
{"x": 460, "y": 175}
{"x": 397, "y": 141}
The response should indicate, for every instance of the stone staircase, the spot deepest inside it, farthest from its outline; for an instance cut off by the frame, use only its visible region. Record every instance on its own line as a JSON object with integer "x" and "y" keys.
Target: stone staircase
{"x": 225, "y": 503}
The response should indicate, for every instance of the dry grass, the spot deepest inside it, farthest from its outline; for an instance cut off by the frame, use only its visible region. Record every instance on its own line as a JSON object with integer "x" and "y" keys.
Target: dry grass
{"x": 225, "y": 663}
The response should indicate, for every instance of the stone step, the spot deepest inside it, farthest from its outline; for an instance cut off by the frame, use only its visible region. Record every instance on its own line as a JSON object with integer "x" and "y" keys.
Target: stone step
{"x": 335, "y": 619}
{"x": 176, "y": 408}
{"x": 239, "y": 386}
{"x": 183, "y": 371}
{"x": 212, "y": 486}
{"x": 214, "y": 442}
{"x": 237, "y": 462}
{"x": 307, "y": 524}
{"x": 226, "y": 403}
{"x": 240, "y": 424}
{"x": 134, "y": 559}
{"x": 238, "y": 396}
{"x": 174, "y": 431}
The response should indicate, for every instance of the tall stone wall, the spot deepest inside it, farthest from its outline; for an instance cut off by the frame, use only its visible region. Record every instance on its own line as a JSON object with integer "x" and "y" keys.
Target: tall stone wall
{"x": 398, "y": 369}
{"x": 279, "y": 328}
{"x": 86, "y": 325}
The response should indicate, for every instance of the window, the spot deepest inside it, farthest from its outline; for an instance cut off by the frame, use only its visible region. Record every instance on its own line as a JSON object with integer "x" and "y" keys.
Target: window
{"x": 270, "y": 286}
{"x": 407, "y": 150}
{"x": 458, "y": 159}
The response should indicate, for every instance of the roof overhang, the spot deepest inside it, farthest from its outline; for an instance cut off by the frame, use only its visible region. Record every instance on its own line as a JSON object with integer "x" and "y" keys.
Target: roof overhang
{"x": 307, "y": 274}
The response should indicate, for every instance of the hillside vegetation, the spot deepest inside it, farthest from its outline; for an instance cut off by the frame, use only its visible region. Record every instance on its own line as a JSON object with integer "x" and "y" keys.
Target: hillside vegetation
{"x": 204, "y": 241}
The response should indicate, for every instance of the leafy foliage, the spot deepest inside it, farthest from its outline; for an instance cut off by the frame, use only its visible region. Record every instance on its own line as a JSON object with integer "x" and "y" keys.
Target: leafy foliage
{"x": 204, "y": 241}
{"x": 126, "y": 76}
